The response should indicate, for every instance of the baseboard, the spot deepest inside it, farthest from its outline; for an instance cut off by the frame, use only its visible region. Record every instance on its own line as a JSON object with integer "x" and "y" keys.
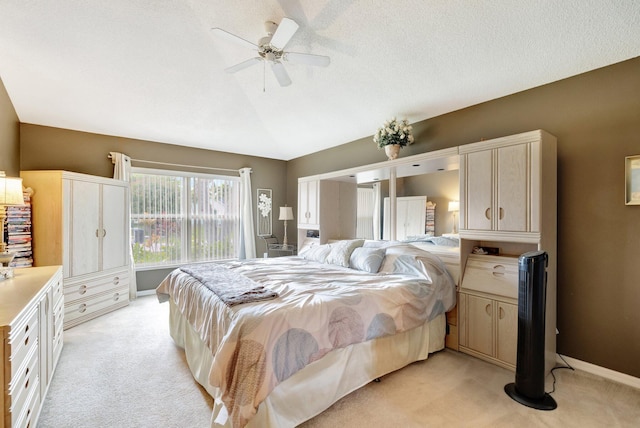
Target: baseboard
{"x": 145, "y": 293}
{"x": 601, "y": 371}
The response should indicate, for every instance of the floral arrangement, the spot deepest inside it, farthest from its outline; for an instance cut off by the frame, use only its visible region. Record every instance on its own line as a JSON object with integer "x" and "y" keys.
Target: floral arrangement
{"x": 394, "y": 132}
{"x": 264, "y": 205}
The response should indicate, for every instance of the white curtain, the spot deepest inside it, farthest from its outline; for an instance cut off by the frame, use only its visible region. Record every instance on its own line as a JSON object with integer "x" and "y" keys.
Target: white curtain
{"x": 376, "y": 211}
{"x": 247, "y": 235}
{"x": 122, "y": 171}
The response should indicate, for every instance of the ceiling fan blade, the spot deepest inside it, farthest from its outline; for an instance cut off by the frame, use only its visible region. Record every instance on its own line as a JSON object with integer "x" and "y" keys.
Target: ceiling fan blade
{"x": 243, "y": 65}
{"x": 283, "y": 34}
{"x": 281, "y": 74}
{"x": 232, "y": 37}
{"x": 306, "y": 59}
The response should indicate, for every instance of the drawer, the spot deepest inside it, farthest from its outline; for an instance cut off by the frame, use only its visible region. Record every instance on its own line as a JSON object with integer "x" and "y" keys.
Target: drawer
{"x": 23, "y": 339}
{"x": 23, "y": 382}
{"x": 75, "y": 290}
{"x": 27, "y": 417}
{"x": 58, "y": 290}
{"x": 100, "y": 303}
{"x": 492, "y": 274}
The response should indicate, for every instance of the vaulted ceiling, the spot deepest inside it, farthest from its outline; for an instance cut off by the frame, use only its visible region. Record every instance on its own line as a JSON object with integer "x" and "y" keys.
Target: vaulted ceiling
{"x": 154, "y": 70}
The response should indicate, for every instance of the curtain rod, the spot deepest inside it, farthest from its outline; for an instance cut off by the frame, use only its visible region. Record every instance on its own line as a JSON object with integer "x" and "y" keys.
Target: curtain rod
{"x": 181, "y": 165}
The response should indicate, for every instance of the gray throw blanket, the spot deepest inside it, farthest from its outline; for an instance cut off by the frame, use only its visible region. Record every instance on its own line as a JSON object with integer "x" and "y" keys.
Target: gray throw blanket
{"x": 232, "y": 288}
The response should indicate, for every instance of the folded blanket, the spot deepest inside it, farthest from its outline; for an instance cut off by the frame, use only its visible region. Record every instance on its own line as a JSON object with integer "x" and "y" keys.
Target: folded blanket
{"x": 231, "y": 287}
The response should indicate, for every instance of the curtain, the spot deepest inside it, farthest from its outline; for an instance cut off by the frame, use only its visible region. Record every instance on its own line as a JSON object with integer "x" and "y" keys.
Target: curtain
{"x": 376, "y": 211}
{"x": 247, "y": 235}
{"x": 122, "y": 171}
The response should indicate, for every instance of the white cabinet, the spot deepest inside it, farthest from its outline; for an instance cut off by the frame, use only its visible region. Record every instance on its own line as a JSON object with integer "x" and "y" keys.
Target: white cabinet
{"x": 508, "y": 200}
{"x": 497, "y": 185}
{"x": 80, "y": 222}
{"x": 489, "y": 309}
{"x": 309, "y": 204}
{"x": 411, "y": 212}
{"x": 30, "y": 347}
{"x": 327, "y": 208}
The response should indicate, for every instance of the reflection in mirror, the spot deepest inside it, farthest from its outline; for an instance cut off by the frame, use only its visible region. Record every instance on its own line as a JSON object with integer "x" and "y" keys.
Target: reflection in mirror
{"x": 368, "y": 211}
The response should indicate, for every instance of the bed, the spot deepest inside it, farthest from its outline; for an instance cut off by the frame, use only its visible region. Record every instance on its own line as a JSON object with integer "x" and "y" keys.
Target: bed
{"x": 277, "y": 341}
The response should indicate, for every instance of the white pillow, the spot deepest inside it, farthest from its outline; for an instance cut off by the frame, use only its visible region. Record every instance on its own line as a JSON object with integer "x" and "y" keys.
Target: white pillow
{"x": 366, "y": 259}
{"x": 341, "y": 251}
{"x": 317, "y": 253}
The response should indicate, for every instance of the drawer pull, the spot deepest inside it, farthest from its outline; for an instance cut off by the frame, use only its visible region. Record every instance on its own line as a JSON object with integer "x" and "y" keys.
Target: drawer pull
{"x": 116, "y": 297}
{"x": 26, "y": 384}
{"x": 501, "y": 213}
{"x": 82, "y": 289}
{"x": 26, "y": 341}
{"x": 498, "y": 270}
{"x": 82, "y": 308}
{"x": 116, "y": 280}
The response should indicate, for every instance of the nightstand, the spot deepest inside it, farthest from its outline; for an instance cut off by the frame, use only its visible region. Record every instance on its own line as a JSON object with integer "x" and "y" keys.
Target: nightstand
{"x": 279, "y": 250}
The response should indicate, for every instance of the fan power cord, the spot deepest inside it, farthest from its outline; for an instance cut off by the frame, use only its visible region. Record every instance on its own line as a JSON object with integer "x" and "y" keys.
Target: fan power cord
{"x": 567, "y": 366}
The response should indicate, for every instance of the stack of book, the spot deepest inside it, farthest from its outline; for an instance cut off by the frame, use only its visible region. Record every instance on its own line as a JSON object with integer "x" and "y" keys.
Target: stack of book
{"x": 18, "y": 230}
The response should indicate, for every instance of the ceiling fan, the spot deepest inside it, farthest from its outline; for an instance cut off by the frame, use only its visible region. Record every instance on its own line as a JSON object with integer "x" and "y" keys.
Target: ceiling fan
{"x": 270, "y": 50}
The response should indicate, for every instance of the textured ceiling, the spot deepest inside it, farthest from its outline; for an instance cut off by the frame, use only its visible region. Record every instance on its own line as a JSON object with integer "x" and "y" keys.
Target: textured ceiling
{"x": 153, "y": 70}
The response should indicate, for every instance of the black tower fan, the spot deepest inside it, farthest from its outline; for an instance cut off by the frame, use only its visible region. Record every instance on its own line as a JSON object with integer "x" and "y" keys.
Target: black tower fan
{"x": 528, "y": 388}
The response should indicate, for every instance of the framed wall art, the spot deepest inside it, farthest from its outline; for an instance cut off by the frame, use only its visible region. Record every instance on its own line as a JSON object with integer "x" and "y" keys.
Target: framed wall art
{"x": 632, "y": 180}
{"x": 265, "y": 212}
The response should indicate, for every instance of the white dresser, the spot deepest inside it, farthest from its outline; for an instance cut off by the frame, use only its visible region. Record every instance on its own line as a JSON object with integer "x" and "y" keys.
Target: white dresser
{"x": 31, "y": 322}
{"x": 81, "y": 222}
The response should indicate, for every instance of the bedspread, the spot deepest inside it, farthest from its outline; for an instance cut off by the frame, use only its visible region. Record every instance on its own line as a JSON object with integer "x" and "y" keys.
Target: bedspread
{"x": 320, "y": 307}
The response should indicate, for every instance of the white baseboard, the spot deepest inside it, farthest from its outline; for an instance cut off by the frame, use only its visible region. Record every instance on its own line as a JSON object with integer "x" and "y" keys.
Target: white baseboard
{"x": 601, "y": 371}
{"x": 145, "y": 293}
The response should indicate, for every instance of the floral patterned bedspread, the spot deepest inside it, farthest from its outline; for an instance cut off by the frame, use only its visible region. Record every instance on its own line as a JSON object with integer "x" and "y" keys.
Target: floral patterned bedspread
{"x": 320, "y": 307}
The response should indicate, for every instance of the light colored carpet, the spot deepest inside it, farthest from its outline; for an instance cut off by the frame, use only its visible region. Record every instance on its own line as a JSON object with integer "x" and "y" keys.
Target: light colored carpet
{"x": 123, "y": 370}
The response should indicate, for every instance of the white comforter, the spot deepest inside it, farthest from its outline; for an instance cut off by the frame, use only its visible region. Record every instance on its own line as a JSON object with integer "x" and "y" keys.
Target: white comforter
{"x": 319, "y": 307}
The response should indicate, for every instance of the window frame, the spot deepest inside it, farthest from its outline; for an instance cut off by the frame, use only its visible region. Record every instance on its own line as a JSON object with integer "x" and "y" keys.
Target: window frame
{"x": 185, "y": 203}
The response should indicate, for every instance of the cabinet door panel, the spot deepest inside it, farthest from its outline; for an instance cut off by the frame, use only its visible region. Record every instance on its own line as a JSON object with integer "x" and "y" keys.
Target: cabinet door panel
{"x": 85, "y": 215}
{"x": 507, "y": 332}
{"x": 480, "y": 324}
{"x": 513, "y": 189}
{"x": 478, "y": 179}
{"x": 114, "y": 224}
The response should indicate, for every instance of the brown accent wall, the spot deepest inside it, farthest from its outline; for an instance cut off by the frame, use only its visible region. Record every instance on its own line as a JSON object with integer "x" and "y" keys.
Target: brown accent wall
{"x": 9, "y": 135}
{"x": 596, "y": 118}
{"x": 43, "y": 147}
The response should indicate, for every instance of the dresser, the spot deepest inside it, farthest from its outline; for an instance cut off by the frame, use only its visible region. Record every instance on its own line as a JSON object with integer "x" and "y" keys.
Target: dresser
{"x": 31, "y": 324}
{"x": 80, "y": 221}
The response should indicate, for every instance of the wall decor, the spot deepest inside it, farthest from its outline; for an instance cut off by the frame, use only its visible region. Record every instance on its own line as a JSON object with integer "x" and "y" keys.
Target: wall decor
{"x": 632, "y": 180}
{"x": 265, "y": 212}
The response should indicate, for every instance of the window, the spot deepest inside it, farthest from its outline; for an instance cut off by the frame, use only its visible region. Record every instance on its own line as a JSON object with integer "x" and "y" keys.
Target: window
{"x": 179, "y": 217}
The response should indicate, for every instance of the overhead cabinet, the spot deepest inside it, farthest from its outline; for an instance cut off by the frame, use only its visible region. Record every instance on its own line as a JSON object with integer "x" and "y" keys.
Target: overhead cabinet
{"x": 81, "y": 222}
{"x": 309, "y": 203}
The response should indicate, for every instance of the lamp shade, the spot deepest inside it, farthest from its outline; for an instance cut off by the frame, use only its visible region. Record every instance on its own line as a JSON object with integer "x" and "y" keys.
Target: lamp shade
{"x": 286, "y": 213}
{"x": 454, "y": 206}
{"x": 10, "y": 190}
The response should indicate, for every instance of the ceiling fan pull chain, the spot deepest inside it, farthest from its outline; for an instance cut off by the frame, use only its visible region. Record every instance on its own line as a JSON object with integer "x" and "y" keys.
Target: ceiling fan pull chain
{"x": 264, "y": 76}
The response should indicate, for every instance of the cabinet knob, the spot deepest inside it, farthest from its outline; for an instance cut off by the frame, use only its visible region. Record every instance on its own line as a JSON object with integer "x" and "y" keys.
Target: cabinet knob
{"x": 82, "y": 308}
{"x": 116, "y": 280}
{"x": 82, "y": 289}
{"x": 501, "y": 313}
{"x": 487, "y": 213}
{"x": 501, "y": 213}
{"x": 488, "y": 309}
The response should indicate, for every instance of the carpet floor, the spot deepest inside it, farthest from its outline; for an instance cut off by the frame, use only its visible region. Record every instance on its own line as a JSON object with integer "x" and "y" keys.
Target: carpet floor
{"x": 123, "y": 370}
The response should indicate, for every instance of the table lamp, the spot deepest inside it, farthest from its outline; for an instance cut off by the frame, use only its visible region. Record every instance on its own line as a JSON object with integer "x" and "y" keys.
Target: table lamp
{"x": 10, "y": 194}
{"x": 286, "y": 213}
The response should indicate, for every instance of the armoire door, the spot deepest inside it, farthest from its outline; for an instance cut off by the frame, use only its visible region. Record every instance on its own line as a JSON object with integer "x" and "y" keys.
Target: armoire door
{"x": 114, "y": 225}
{"x": 85, "y": 228}
{"x": 478, "y": 179}
{"x": 513, "y": 190}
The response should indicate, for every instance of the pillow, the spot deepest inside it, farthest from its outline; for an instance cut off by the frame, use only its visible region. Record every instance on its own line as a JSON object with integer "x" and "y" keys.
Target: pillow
{"x": 366, "y": 259}
{"x": 409, "y": 260}
{"x": 341, "y": 251}
{"x": 317, "y": 253}
{"x": 308, "y": 243}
